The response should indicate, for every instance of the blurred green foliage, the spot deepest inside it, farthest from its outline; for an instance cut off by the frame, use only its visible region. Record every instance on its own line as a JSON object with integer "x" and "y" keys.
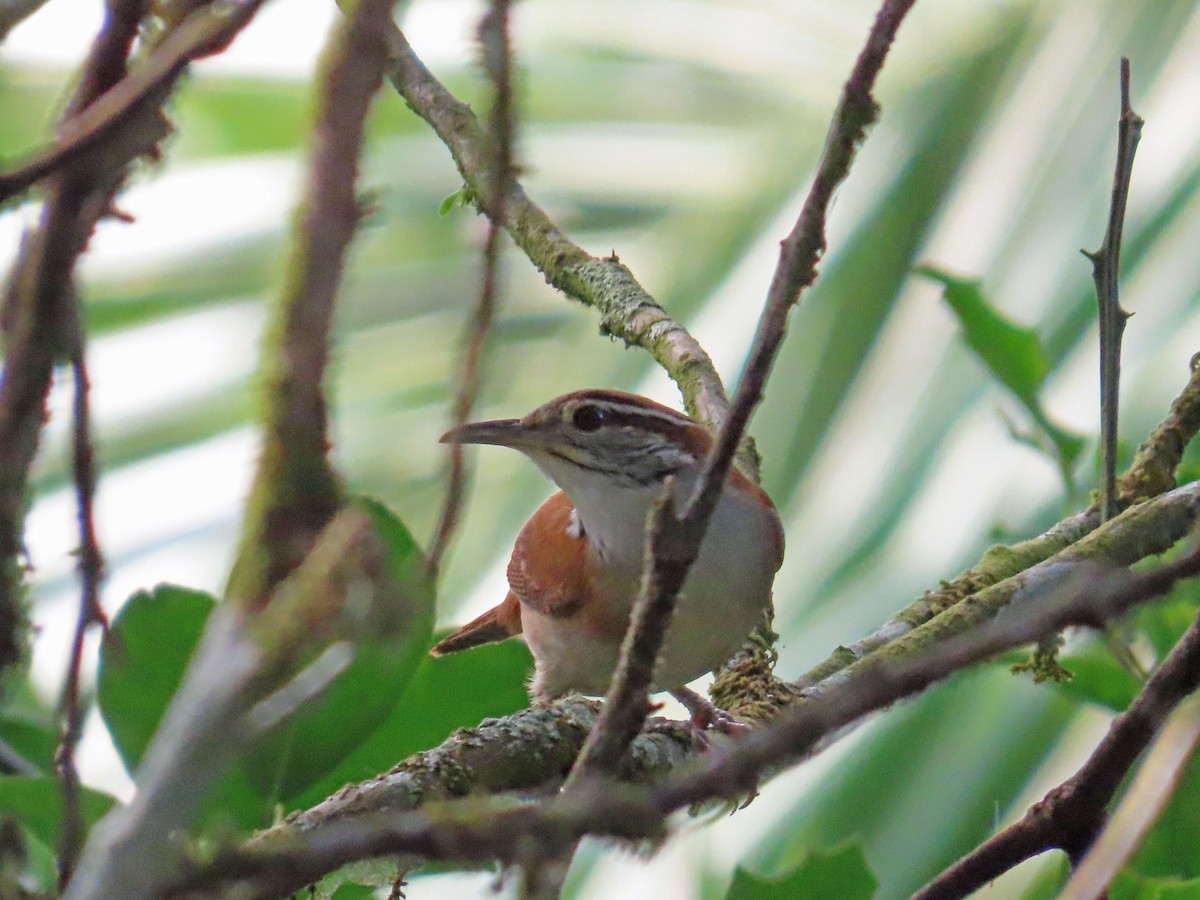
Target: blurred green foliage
{"x": 681, "y": 134}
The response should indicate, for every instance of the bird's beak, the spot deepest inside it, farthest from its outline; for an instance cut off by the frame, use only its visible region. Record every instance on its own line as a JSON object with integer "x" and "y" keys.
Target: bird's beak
{"x": 500, "y": 432}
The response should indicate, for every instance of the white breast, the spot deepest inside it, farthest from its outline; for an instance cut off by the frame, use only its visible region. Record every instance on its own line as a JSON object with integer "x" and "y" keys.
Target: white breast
{"x": 724, "y": 598}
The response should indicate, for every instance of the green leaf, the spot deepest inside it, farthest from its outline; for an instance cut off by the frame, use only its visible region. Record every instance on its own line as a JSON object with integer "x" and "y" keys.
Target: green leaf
{"x": 26, "y": 724}
{"x": 146, "y": 652}
{"x": 353, "y": 892}
{"x": 1098, "y": 677}
{"x": 464, "y": 196}
{"x": 36, "y": 803}
{"x": 840, "y": 872}
{"x": 142, "y": 661}
{"x": 1011, "y": 352}
{"x": 1128, "y": 885}
{"x": 313, "y": 740}
{"x": 447, "y": 693}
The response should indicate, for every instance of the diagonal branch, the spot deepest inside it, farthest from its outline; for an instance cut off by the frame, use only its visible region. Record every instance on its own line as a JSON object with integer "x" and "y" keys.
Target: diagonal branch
{"x": 1071, "y": 815}
{"x": 675, "y": 539}
{"x": 626, "y": 310}
{"x": 1141, "y": 806}
{"x": 14, "y": 12}
{"x": 499, "y": 829}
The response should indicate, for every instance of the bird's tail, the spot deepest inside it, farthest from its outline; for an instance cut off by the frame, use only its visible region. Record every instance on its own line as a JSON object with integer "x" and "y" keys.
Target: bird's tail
{"x": 498, "y": 623}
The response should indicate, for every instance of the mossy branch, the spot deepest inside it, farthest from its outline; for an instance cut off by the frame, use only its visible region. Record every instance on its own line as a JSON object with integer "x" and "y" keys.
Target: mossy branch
{"x": 1151, "y": 473}
{"x": 626, "y": 309}
{"x": 1147, "y": 529}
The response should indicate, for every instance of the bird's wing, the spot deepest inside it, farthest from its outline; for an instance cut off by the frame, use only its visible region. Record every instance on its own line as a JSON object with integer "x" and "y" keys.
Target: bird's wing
{"x": 548, "y": 571}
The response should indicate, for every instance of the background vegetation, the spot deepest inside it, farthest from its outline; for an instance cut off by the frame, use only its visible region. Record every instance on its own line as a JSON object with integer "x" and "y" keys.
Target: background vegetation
{"x": 680, "y": 134}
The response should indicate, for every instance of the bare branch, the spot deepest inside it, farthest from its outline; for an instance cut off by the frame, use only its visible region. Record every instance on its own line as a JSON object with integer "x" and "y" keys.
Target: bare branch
{"x": 497, "y": 51}
{"x": 675, "y": 539}
{"x": 803, "y": 247}
{"x": 1071, "y": 815}
{"x": 1106, "y": 271}
{"x": 296, "y": 491}
{"x": 1141, "y": 806}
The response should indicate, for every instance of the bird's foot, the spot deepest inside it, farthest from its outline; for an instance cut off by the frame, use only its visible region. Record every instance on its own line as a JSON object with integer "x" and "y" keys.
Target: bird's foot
{"x": 706, "y": 715}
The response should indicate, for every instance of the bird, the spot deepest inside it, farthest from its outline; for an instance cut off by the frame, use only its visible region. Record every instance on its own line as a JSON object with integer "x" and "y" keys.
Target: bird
{"x": 576, "y": 568}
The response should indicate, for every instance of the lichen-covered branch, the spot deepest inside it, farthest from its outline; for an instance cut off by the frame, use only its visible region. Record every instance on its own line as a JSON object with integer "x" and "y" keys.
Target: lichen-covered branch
{"x": 372, "y": 823}
{"x": 1151, "y": 473}
{"x": 1147, "y": 529}
{"x": 626, "y": 309}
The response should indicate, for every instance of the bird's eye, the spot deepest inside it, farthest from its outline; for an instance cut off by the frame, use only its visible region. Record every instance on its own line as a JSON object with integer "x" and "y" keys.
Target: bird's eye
{"x": 587, "y": 417}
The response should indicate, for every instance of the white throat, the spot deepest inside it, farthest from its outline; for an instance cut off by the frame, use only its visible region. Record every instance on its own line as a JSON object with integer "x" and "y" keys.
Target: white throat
{"x": 613, "y": 517}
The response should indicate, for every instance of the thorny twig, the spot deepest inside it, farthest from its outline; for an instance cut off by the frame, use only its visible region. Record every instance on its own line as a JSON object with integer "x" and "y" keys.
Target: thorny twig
{"x": 1106, "y": 271}
{"x": 90, "y": 613}
{"x": 95, "y": 127}
{"x": 43, "y": 321}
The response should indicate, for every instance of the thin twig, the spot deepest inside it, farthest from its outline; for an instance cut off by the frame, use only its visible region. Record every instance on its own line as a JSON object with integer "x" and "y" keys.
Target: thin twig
{"x": 1106, "y": 271}
{"x": 106, "y": 64}
{"x": 1151, "y": 473}
{"x": 675, "y": 539}
{"x": 1070, "y": 815}
{"x": 93, "y": 131}
{"x": 113, "y": 118}
{"x": 497, "y": 54}
{"x": 1141, "y": 806}
{"x": 479, "y": 829}
{"x": 627, "y": 703}
{"x": 802, "y": 248}
{"x": 296, "y": 491}
{"x": 14, "y": 12}
{"x": 90, "y": 613}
